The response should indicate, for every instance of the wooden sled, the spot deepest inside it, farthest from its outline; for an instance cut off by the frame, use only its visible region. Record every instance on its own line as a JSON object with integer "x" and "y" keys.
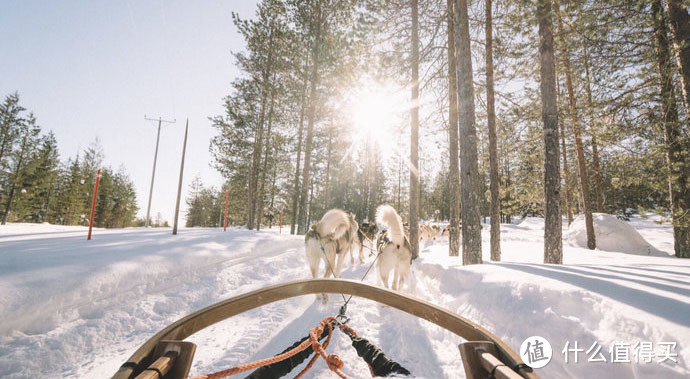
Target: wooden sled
{"x": 166, "y": 355}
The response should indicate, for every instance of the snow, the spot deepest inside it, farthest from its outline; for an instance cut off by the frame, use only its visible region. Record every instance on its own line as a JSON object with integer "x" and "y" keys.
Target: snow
{"x": 611, "y": 234}
{"x": 76, "y": 308}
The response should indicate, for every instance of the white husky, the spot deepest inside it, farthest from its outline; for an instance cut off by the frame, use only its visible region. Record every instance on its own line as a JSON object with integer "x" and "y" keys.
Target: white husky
{"x": 393, "y": 247}
{"x": 329, "y": 238}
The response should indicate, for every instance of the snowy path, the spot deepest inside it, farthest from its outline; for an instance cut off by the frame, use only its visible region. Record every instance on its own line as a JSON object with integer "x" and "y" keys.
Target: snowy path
{"x": 72, "y": 308}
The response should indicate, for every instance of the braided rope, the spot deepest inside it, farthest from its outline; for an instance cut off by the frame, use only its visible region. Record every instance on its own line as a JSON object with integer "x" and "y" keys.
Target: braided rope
{"x": 333, "y": 362}
{"x": 316, "y": 356}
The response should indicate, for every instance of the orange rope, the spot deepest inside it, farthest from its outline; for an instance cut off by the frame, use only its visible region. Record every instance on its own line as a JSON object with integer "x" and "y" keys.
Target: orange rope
{"x": 316, "y": 356}
{"x": 334, "y": 362}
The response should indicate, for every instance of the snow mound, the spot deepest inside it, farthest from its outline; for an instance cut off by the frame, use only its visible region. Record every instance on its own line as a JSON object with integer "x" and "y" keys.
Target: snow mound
{"x": 611, "y": 234}
{"x": 532, "y": 223}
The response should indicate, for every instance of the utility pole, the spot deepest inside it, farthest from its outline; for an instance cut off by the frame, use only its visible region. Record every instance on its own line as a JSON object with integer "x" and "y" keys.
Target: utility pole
{"x": 179, "y": 185}
{"x": 155, "y": 157}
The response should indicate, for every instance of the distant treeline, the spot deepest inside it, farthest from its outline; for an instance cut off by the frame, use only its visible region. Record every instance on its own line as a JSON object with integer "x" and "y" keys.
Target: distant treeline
{"x": 35, "y": 186}
{"x": 206, "y": 206}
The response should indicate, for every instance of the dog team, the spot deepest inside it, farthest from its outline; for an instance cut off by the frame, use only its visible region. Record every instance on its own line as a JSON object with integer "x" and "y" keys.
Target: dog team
{"x": 338, "y": 233}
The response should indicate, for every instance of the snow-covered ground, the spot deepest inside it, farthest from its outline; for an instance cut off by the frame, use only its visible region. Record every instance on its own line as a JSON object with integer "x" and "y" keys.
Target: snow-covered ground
{"x": 76, "y": 308}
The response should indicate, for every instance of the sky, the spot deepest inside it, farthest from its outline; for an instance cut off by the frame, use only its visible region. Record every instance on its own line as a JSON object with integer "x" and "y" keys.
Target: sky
{"x": 93, "y": 69}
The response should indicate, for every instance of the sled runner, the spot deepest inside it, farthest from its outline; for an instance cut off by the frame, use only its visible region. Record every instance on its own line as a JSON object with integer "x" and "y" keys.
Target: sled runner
{"x": 167, "y": 356}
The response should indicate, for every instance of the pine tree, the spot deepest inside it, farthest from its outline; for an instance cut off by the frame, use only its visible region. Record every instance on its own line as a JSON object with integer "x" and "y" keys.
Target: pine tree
{"x": 262, "y": 38}
{"x": 10, "y": 120}
{"x": 40, "y": 180}
{"x": 553, "y": 245}
{"x": 680, "y": 26}
{"x": 493, "y": 149}
{"x": 574, "y": 114}
{"x": 296, "y": 186}
{"x": 414, "y": 132}
{"x": 454, "y": 170}
{"x": 676, "y": 146}
{"x": 195, "y": 203}
{"x": 28, "y": 132}
{"x": 471, "y": 227}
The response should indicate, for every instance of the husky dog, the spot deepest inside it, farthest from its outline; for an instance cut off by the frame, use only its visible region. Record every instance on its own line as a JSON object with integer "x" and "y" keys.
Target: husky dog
{"x": 393, "y": 247}
{"x": 428, "y": 232}
{"x": 446, "y": 230}
{"x": 367, "y": 232}
{"x": 327, "y": 239}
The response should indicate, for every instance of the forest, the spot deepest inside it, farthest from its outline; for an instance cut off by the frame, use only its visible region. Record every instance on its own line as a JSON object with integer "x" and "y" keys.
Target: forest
{"x": 35, "y": 186}
{"x": 471, "y": 111}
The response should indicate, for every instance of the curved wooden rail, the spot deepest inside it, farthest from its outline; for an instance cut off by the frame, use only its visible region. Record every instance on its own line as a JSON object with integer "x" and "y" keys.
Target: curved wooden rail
{"x": 212, "y": 314}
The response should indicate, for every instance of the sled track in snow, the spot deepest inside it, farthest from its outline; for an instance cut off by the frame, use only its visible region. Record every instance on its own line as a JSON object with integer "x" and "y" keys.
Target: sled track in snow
{"x": 168, "y": 281}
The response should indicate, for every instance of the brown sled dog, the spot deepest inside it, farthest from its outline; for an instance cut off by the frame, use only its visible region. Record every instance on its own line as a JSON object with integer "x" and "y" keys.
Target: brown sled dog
{"x": 367, "y": 232}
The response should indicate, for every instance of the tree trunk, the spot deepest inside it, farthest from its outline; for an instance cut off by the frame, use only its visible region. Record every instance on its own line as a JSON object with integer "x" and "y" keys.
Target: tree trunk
{"x": 506, "y": 181}
{"x": 581, "y": 162}
{"x": 566, "y": 199}
{"x": 373, "y": 186}
{"x": 680, "y": 26}
{"x": 260, "y": 197}
{"x": 553, "y": 243}
{"x": 676, "y": 149}
{"x": 295, "y": 196}
{"x": 470, "y": 200}
{"x": 593, "y": 133}
{"x": 454, "y": 177}
{"x": 493, "y": 149}
{"x": 273, "y": 186}
{"x": 400, "y": 164}
{"x": 566, "y": 180}
{"x": 253, "y": 171}
{"x": 310, "y": 210}
{"x": 302, "y": 219}
{"x": 328, "y": 171}
{"x": 414, "y": 133}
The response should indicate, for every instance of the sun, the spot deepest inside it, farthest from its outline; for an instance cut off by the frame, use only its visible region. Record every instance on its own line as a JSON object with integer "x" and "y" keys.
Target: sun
{"x": 374, "y": 112}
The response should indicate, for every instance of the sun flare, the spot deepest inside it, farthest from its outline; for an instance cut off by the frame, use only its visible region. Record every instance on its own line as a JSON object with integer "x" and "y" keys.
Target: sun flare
{"x": 376, "y": 110}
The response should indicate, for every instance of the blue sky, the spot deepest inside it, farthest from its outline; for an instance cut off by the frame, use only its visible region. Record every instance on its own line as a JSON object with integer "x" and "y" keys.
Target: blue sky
{"x": 92, "y": 69}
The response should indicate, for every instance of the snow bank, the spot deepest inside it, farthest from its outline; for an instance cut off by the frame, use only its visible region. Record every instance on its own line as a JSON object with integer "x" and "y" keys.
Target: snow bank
{"x": 611, "y": 234}
{"x": 21, "y": 229}
{"x": 532, "y": 223}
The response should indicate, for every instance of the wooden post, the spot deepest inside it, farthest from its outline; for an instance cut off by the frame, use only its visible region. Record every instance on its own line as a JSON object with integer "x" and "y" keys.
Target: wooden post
{"x": 281, "y": 218}
{"x": 93, "y": 203}
{"x": 179, "y": 184}
{"x": 225, "y": 223}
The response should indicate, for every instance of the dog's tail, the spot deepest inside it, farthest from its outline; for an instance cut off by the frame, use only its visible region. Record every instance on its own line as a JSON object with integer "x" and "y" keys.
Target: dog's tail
{"x": 386, "y": 215}
{"x": 334, "y": 223}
